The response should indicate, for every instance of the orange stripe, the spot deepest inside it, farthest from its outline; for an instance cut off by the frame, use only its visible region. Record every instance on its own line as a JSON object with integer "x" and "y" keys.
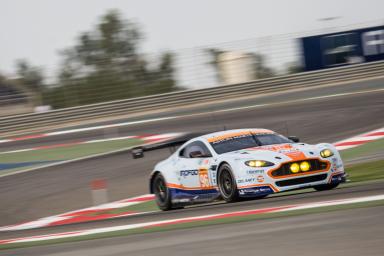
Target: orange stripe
{"x": 235, "y": 134}
{"x": 172, "y": 185}
{"x": 296, "y": 155}
{"x": 260, "y": 185}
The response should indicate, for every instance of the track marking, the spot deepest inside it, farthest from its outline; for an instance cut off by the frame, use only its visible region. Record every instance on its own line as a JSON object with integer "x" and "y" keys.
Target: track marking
{"x": 179, "y": 116}
{"x": 145, "y": 138}
{"x": 170, "y": 222}
{"x": 150, "y": 140}
{"x": 360, "y": 139}
{"x": 73, "y": 216}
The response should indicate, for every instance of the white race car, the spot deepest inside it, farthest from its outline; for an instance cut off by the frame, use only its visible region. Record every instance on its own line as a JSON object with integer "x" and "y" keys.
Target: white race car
{"x": 244, "y": 163}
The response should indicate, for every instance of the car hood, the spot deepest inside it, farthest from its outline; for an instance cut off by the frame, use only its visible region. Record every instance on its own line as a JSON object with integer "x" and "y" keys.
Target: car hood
{"x": 277, "y": 153}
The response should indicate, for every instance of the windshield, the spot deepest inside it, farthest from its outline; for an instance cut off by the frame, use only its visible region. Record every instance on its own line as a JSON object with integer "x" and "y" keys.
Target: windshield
{"x": 247, "y": 141}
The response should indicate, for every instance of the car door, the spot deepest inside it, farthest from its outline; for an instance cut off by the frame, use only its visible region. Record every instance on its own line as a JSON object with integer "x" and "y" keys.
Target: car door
{"x": 193, "y": 166}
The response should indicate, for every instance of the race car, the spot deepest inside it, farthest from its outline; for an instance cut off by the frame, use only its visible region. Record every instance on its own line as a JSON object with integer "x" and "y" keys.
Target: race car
{"x": 243, "y": 163}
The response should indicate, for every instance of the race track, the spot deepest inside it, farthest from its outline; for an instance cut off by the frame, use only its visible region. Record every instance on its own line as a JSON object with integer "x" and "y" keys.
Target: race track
{"x": 271, "y": 115}
{"x": 219, "y": 207}
{"x": 62, "y": 188}
{"x": 350, "y": 232}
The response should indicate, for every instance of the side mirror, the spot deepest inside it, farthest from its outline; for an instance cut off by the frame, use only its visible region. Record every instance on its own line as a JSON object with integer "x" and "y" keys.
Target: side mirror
{"x": 294, "y": 139}
{"x": 196, "y": 154}
{"x": 137, "y": 153}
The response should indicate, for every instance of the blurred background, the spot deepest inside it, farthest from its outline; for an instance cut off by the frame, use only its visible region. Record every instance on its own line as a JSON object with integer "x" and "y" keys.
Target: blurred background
{"x": 84, "y": 82}
{"x": 59, "y": 55}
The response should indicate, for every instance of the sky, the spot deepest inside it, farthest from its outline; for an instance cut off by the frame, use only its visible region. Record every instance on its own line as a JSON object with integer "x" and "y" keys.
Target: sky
{"x": 37, "y": 30}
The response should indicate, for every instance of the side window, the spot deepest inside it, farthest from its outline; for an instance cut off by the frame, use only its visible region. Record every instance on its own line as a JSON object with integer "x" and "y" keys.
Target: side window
{"x": 195, "y": 149}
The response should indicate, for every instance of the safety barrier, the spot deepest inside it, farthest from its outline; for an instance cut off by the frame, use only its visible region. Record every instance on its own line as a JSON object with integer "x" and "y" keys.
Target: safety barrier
{"x": 174, "y": 99}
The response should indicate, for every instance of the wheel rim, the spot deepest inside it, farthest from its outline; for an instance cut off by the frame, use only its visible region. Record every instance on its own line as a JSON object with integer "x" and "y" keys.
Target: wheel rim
{"x": 226, "y": 183}
{"x": 160, "y": 190}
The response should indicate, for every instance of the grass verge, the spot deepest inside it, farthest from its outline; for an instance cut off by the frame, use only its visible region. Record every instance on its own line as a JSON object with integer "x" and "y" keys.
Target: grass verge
{"x": 366, "y": 171}
{"x": 363, "y": 150}
{"x": 63, "y": 153}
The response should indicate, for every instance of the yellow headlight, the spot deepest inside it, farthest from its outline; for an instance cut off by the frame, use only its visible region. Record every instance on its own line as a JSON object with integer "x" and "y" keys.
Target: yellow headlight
{"x": 326, "y": 153}
{"x": 258, "y": 163}
{"x": 305, "y": 166}
{"x": 295, "y": 168}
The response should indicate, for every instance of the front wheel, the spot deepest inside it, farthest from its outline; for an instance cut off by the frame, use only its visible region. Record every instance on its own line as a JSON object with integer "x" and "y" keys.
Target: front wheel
{"x": 162, "y": 193}
{"x": 227, "y": 184}
{"x": 325, "y": 187}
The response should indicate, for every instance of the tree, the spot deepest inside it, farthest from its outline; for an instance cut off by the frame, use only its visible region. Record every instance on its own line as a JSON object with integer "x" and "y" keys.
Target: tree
{"x": 31, "y": 79}
{"x": 106, "y": 64}
{"x": 30, "y": 76}
{"x": 261, "y": 70}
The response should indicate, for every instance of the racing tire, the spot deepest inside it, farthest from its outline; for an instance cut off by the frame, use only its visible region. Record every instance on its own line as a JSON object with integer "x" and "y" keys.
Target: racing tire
{"x": 162, "y": 193}
{"x": 227, "y": 184}
{"x": 325, "y": 187}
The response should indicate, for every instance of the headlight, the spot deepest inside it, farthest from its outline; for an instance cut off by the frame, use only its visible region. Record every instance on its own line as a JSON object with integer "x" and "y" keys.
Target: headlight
{"x": 295, "y": 168}
{"x": 258, "y": 163}
{"x": 326, "y": 153}
{"x": 305, "y": 166}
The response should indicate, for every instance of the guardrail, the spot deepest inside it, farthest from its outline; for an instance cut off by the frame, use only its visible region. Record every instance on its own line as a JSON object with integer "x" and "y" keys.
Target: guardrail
{"x": 156, "y": 102}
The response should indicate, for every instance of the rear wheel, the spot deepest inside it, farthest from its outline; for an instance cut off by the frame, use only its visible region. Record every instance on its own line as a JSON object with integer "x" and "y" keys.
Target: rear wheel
{"x": 227, "y": 184}
{"x": 162, "y": 193}
{"x": 324, "y": 187}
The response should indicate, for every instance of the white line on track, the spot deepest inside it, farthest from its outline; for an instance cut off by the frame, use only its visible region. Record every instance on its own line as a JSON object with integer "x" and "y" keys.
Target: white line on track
{"x": 146, "y": 138}
{"x": 77, "y": 130}
{"x": 51, "y": 220}
{"x": 194, "y": 219}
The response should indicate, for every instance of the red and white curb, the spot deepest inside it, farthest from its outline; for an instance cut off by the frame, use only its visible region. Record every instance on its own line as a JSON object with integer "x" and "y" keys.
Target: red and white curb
{"x": 146, "y": 138}
{"x": 88, "y": 214}
{"x": 92, "y": 128}
{"x": 360, "y": 139}
{"x": 193, "y": 219}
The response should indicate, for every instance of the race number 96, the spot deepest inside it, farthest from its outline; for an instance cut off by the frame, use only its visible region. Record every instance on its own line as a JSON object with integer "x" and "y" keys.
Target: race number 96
{"x": 203, "y": 178}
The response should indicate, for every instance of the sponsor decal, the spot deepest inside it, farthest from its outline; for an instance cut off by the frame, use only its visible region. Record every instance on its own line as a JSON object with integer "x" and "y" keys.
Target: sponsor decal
{"x": 236, "y": 135}
{"x": 336, "y": 164}
{"x": 181, "y": 200}
{"x": 185, "y": 173}
{"x": 260, "y": 178}
{"x": 204, "y": 162}
{"x": 247, "y": 180}
{"x": 203, "y": 178}
{"x": 256, "y": 190}
{"x": 255, "y": 171}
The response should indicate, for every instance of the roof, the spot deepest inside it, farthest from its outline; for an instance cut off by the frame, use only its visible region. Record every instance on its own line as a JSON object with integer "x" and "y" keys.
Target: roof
{"x": 216, "y": 136}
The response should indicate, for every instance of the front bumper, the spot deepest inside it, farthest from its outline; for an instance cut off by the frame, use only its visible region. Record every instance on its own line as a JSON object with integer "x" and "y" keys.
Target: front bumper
{"x": 331, "y": 173}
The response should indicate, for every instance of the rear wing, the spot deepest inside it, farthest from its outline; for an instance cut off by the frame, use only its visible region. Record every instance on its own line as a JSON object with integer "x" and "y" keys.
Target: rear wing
{"x": 172, "y": 144}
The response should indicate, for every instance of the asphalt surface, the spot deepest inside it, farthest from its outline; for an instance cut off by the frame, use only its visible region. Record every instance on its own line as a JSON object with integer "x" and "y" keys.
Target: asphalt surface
{"x": 59, "y": 189}
{"x": 220, "y": 207}
{"x": 211, "y": 122}
{"x": 352, "y": 232}
{"x": 54, "y": 190}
